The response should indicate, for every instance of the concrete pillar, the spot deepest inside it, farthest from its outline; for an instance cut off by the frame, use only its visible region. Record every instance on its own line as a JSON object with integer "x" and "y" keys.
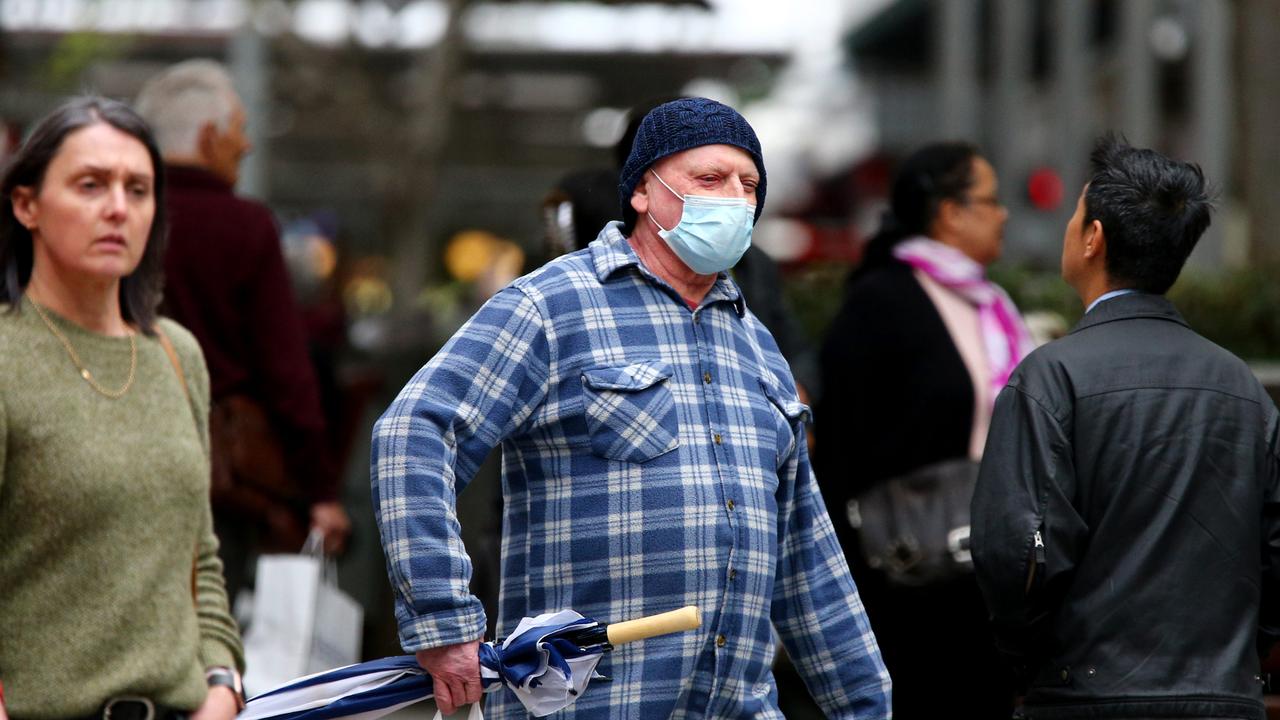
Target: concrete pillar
{"x": 955, "y": 38}
{"x": 1211, "y": 111}
{"x": 1259, "y": 23}
{"x": 250, "y": 67}
{"x": 1072, "y": 95}
{"x": 1137, "y": 73}
{"x": 1010, "y": 93}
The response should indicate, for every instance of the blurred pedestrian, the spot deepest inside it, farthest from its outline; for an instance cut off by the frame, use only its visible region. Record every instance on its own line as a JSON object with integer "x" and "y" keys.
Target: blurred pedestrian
{"x": 577, "y": 207}
{"x": 653, "y": 457}
{"x": 911, "y": 365}
{"x": 1127, "y": 516}
{"x": 226, "y": 280}
{"x": 111, "y": 591}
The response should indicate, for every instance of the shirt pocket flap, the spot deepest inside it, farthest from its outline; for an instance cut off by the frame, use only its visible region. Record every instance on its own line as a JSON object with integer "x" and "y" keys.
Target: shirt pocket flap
{"x": 793, "y": 409}
{"x": 627, "y": 378}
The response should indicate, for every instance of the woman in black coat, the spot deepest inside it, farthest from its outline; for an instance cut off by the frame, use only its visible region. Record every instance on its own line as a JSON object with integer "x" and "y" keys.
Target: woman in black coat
{"x": 910, "y": 367}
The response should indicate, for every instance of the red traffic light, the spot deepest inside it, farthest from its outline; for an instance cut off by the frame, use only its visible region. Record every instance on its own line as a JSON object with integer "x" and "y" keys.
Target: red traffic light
{"x": 1044, "y": 189}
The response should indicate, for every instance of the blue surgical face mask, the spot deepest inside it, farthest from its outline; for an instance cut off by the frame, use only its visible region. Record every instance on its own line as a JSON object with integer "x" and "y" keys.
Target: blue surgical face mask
{"x": 713, "y": 232}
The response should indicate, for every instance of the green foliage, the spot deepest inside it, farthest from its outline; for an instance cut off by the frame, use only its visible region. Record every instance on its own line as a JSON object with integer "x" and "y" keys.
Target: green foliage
{"x": 813, "y": 293}
{"x": 1037, "y": 290}
{"x": 1237, "y": 309}
{"x": 76, "y": 52}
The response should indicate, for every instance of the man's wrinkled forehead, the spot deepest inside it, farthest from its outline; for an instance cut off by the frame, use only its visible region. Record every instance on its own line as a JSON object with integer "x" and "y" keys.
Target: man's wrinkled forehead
{"x": 715, "y": 158}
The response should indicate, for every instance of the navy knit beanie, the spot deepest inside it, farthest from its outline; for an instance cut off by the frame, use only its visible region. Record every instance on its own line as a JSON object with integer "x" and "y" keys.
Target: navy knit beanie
{"x": 678, "y": 126}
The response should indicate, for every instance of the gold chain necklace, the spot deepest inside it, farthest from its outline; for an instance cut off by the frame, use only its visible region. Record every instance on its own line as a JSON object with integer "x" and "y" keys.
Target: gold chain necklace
{"x": 84, "y": 371}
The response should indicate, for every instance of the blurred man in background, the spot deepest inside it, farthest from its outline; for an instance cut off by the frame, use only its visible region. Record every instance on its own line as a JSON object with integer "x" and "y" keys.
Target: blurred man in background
{"x": 226, "y": 281}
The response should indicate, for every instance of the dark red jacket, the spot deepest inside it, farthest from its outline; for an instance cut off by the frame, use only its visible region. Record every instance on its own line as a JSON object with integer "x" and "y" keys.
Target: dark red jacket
{"x": 225, "y": 281}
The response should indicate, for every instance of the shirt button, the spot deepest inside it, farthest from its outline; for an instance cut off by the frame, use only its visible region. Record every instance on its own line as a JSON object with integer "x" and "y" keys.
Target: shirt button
{"x": 731, "y": 505}
{"x": 717, "y": 438}
{"x": 720, "y": 641}
{"x": 733, "y": 574}
{"x": 706, "y": 377}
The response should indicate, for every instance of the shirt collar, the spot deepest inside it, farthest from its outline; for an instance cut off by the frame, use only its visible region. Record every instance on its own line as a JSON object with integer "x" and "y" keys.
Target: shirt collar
{"x": 610, "y": 253}
{"x": 1132, "y": 305}
{"x": 1107, "y": 296}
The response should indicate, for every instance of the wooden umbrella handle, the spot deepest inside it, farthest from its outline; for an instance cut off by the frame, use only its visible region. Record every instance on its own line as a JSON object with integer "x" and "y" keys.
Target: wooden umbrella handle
{"x": 686, "y": 618}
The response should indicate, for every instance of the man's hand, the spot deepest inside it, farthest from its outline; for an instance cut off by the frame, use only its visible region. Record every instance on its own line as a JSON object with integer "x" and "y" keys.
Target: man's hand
{"x": 329, "y": 518}
{"x": 219, "y": 704}
{"x": 455, "y": 674}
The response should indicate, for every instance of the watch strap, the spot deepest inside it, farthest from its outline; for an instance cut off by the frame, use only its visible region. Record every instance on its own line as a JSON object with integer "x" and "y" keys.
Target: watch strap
{"x": 228, "y": 678}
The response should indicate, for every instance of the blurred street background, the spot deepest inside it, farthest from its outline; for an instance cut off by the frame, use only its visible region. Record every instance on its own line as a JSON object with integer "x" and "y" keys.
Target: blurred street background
{"x": 409, "y": 149}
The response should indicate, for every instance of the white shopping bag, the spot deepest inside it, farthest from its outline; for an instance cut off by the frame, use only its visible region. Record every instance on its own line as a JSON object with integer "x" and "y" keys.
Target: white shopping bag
{"x": 301, "y": 622}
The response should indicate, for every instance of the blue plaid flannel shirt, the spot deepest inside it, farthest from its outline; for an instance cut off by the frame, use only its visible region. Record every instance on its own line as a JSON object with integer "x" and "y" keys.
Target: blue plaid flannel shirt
{"x": 653, "y": 458}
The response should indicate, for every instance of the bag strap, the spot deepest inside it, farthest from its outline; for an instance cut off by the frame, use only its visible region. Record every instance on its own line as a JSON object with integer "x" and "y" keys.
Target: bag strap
{"x": 182, "y": 378}
{"x": 173, "y": 358}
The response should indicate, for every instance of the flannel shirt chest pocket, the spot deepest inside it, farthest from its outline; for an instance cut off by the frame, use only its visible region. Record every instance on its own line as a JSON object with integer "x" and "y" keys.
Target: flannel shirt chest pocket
{"x": 630, "y": 413}
{"x": 788, "y": 415}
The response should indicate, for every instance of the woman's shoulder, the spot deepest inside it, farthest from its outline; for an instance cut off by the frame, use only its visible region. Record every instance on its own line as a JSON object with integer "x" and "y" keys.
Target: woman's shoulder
{"x": 191, "y": 361}
{"x": 9, "y": 333}
{"x": 25, "y": 345}
{"x": 184, "y": 343}
{"x": 14, "y": 326}
{"x": 887, "y": 275}
{"x": 889, "y": 287}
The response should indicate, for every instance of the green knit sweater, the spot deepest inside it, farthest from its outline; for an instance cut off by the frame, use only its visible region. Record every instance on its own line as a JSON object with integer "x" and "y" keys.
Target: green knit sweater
{"x": 104, "y": 508}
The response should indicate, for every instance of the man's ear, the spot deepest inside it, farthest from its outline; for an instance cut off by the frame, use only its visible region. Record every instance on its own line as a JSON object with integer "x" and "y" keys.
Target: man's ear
{"x": 640, "y": 197}
{"x": 1095, "y": 240}
{"x": 207, "y": 141}
{"x": 25, "y": 206}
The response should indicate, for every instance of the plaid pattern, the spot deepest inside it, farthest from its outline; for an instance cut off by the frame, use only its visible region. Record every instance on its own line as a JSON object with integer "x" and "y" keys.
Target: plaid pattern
{"x": 653, "y": 457}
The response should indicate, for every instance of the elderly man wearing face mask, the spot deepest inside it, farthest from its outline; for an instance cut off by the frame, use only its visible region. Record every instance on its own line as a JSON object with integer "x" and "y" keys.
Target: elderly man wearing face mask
{"x": 653, "y": 457}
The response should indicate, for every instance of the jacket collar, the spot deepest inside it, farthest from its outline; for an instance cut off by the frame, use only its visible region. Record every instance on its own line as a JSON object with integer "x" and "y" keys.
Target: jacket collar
{"x": 190, "y": 176}
{"x": 1128, "y": 307}
{"x": 611, "y": 253}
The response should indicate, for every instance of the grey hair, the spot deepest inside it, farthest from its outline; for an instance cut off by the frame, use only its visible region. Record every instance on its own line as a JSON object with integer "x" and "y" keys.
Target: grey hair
{"x": 180, "y": 100}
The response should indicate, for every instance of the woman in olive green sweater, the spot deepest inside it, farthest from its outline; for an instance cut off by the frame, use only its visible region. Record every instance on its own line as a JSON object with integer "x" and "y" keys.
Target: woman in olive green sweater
{"x": 111, "y": 592}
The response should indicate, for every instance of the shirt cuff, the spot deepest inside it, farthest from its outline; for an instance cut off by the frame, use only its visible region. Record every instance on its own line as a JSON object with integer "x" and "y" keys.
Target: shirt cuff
{"x": 424, "y": 632}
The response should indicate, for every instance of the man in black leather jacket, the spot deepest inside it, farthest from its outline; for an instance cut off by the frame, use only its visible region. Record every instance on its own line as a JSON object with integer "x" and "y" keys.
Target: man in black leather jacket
{"x": 1126, "y": 522}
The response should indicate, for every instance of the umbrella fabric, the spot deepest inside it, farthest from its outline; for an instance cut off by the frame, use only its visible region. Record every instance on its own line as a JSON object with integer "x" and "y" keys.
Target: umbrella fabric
{"x": 541, "y": 662}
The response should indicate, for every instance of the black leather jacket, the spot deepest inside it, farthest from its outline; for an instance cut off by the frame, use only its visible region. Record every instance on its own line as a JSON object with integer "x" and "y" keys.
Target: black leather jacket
{"x": 1126, "y": 522}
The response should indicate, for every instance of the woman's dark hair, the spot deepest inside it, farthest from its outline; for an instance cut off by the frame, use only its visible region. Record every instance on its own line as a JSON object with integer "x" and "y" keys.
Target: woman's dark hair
{"x": 140, "y": 291}
{"x": 936, "y": 172}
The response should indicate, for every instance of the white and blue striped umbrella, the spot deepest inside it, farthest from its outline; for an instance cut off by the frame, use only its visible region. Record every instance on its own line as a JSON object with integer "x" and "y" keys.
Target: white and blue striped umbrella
{"x": 547, "y": 661}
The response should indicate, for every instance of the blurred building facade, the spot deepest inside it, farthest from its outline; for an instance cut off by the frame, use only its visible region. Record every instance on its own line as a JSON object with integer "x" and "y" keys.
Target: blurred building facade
{"x": 1035, "y": 81}
{"x": 411, "y": 120}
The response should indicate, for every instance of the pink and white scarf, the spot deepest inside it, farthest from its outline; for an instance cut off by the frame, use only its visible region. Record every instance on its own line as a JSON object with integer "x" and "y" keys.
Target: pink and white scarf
{"x": 1004, "y": 334}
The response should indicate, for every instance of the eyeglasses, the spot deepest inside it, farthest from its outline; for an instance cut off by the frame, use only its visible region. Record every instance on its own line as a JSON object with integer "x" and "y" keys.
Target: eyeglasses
{"x": 990, "y": 200}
